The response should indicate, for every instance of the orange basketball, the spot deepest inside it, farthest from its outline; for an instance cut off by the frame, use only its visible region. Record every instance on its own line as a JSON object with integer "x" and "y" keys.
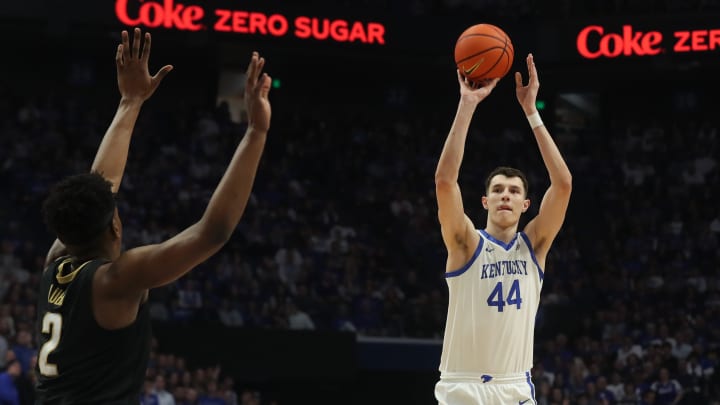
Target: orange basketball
{"x": 484, "y": 51}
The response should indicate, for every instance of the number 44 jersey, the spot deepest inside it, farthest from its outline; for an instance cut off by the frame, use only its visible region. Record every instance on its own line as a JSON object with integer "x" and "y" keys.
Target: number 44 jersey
{"x": 493, "y": 301}
{"x": 79, "y": 362}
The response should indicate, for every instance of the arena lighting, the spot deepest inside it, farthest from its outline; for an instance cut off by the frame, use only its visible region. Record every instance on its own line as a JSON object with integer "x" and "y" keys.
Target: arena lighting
{"x": 171, "y": 14}
{"x": 593, "y": 42}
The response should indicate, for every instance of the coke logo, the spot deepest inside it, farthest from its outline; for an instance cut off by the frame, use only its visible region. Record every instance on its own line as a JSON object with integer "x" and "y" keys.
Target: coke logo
{"x": 172, "y": 15}
{"x": 611, "y": 45}
{"x": 168, "y": 15}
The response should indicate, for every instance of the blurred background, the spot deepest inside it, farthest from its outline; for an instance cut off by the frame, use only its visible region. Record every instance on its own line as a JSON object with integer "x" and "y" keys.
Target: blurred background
{"x": 332, "y": 288}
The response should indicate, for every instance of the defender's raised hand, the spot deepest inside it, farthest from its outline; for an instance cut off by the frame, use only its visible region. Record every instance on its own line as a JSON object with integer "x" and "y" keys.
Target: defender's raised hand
{"x": 134, "y": 80}
{"x": 526, "y": 95}
{"x": 257, "y": 87}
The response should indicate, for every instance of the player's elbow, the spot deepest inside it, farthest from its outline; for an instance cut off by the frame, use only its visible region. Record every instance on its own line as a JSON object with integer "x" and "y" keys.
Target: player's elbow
{"x": 215, "y": 233}
{"x": 444, "y": 183}
{"x": 443, "y": 188}
{"x": 564, "y": 183}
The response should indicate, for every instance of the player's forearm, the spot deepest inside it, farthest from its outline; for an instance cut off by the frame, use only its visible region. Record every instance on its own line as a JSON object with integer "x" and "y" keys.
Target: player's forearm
{"x": 230, "y": 198}
{"x": 448, "y": 168}
{"x": 112, "y": 154}
{"x": 554, "y": 163}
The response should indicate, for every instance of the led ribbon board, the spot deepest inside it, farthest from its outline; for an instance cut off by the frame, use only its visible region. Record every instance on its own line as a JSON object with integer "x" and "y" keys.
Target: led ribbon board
{"x": 172, "y": 14}
{"x": 595, "y": 41}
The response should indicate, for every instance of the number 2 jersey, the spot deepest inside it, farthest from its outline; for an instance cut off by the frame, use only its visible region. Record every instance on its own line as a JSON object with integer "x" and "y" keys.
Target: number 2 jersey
{"x": 80, "y": 362}
{"x": 493, "y": 301}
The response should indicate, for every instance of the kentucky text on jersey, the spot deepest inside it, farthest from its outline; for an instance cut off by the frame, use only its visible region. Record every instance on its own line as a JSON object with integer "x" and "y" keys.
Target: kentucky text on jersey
{"x": 504, "y": 267}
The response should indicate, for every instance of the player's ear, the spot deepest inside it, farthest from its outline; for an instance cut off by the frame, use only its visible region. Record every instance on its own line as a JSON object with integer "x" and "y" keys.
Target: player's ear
{"x": 484, "y": 202}
{"x": 526, "y": 204}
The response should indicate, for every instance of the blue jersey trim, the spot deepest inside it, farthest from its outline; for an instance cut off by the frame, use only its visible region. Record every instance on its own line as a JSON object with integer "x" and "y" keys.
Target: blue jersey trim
{"x": 532, "y": 254}
{"x": 500, "y": 243}
{"x": 464, "y": 268}
{"x": 532, "y": 386}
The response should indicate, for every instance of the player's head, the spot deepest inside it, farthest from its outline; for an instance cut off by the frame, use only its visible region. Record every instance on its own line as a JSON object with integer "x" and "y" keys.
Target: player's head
{"x": 506, "y": 191}
{"x": 13, "y": 368}
{"x": 81, "y": 211}
{"x": 509, "y": 172}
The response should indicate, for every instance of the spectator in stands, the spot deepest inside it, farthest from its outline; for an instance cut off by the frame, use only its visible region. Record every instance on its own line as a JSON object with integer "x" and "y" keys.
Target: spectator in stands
{"x": 9, "y": 394}
{"x": 24, "y": 350}
{"x": 212, "y": 395}
{"x": 163, "y": 396}
{"x": 668, "y": 391}
{"x": 298, "y": 319}
{"x": 4, "y": 345}
{"x": 191, "y": 397}
{"x": 648, "y": 398}
{"x": 229, "y": 314}
{"x": 630, "y": 395}
{"x": 149, "y": 397}
{"x": 604, "y": 394}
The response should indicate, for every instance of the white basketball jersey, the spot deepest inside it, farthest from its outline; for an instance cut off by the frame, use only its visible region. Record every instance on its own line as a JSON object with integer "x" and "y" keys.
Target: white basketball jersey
{"x": 492, "y": 306}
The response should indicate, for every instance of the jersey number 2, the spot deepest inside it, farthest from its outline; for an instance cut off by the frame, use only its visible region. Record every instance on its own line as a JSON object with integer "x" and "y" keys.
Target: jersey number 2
{"x": 51, "y": 324}
{"x": 513, "y": 298}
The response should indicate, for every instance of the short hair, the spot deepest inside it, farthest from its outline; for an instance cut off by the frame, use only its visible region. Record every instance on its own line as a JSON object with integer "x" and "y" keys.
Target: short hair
{"x": 507, "y": 172}
{"x": 79, "y": 208}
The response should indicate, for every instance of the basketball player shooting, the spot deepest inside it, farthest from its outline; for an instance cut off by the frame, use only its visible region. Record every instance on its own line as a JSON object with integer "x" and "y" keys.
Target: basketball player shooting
{"x": 93, "y": 318}
{"x": 495, "y": 275}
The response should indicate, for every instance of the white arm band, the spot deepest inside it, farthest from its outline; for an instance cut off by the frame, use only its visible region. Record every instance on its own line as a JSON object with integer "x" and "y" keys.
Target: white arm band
{"x": 534, "y": 120}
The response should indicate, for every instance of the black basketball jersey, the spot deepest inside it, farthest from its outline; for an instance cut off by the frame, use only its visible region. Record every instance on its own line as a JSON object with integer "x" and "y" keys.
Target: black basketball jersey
{"x": 79, "y": 362}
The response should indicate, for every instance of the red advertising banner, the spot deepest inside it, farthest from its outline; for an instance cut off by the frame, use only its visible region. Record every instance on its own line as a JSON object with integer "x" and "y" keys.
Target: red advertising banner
{"x": 172, "y": 14}
{"x": 607, "y": 42}
{"x": 595, "y": 41}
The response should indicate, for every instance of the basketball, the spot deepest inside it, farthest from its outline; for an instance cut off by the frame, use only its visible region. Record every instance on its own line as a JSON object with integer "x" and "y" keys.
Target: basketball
{"x": 483, "y": 52}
